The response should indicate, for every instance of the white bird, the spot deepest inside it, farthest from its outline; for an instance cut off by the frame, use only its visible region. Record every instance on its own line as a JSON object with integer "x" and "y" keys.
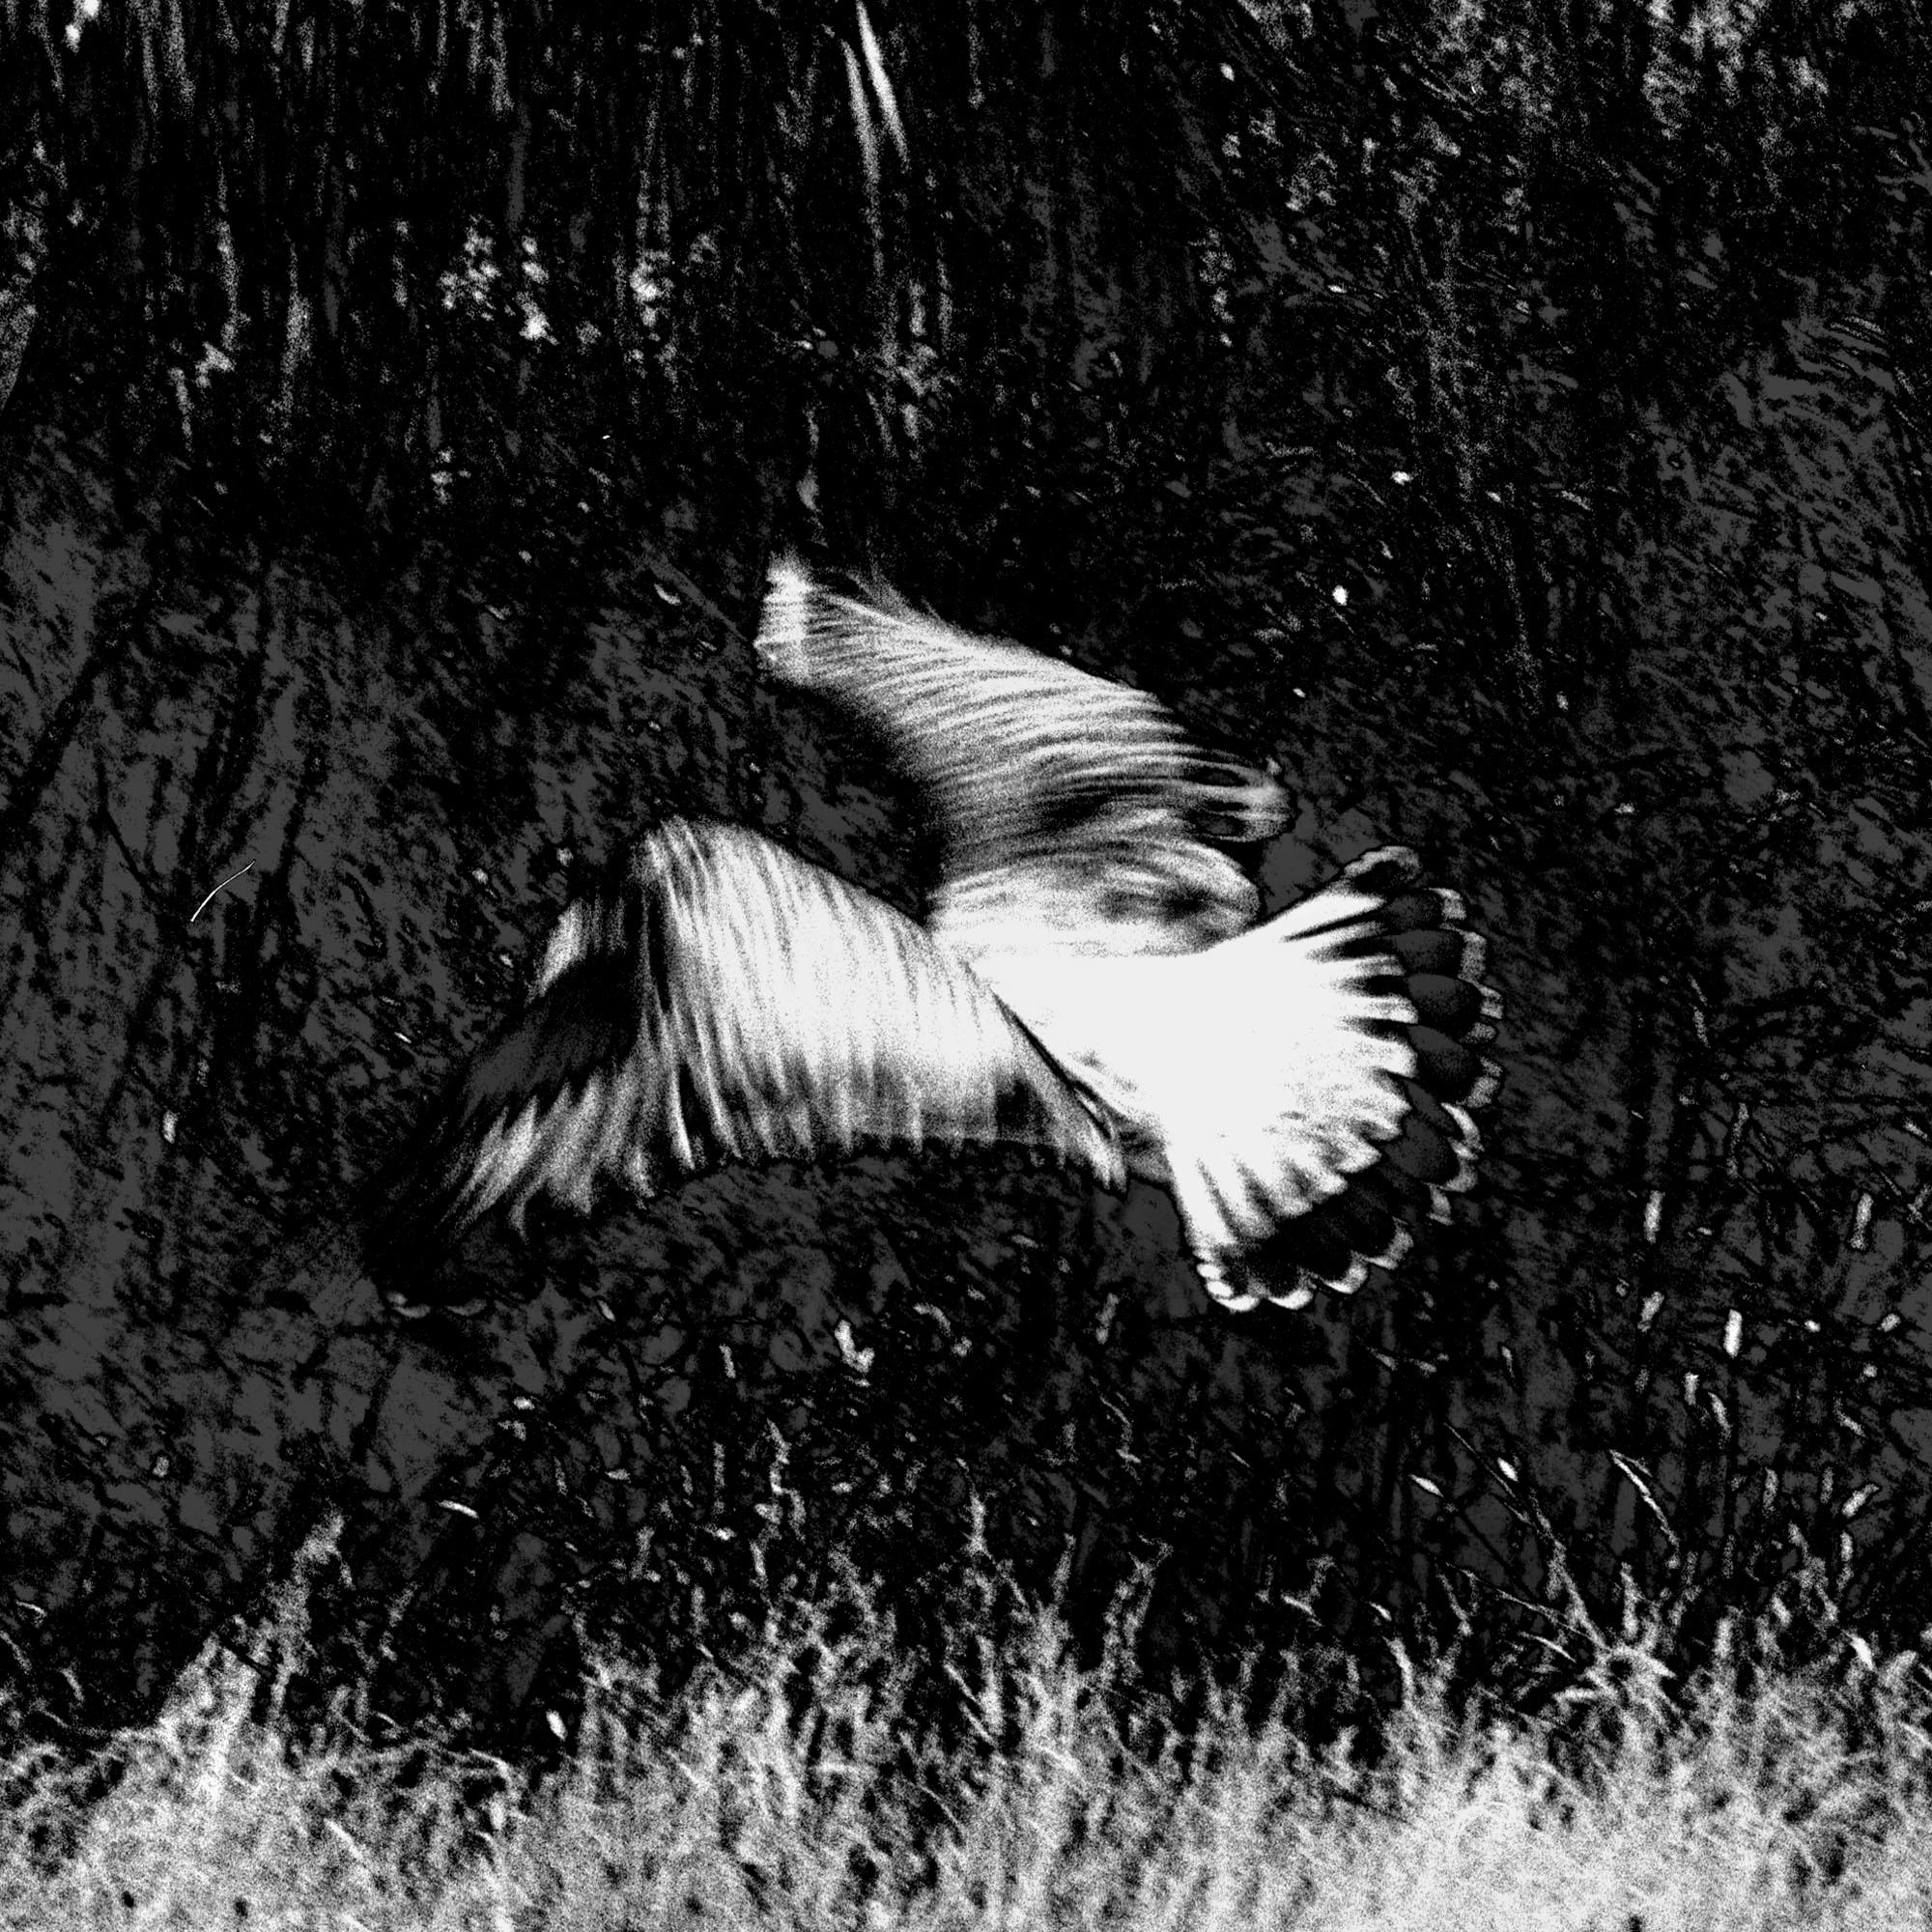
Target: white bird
{"x": 1090, "y": 980}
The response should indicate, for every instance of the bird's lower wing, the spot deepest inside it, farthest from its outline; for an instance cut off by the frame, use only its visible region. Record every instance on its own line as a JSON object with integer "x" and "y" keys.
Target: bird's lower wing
{"x": 728, "y": 1000}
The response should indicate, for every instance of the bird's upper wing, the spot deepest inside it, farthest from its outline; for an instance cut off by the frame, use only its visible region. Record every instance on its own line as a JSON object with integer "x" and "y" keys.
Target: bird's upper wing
{"x": 1075, "y": 812}
{"x": 728, "y": 1000}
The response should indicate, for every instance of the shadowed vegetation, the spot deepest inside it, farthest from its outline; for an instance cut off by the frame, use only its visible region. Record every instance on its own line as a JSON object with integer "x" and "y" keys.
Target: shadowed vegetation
{"x": 1509, "y": 417}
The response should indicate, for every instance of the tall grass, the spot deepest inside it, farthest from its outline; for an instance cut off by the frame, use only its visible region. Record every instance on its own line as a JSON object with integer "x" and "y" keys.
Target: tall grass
{"x": 799, "y": 1785}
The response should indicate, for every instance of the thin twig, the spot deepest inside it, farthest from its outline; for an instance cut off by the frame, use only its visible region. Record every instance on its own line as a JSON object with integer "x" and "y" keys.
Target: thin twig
{"x": 228, "y": 881}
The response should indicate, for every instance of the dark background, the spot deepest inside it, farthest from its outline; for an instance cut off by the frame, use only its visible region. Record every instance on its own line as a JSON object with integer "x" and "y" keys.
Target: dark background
{"x": 1509, "y": 416}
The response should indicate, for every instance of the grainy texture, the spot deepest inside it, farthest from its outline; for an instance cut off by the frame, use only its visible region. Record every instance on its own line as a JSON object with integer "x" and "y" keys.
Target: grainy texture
{"x": 1508, "y": 421}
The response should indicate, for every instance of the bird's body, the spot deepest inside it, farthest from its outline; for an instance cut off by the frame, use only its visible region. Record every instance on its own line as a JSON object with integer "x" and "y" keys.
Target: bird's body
{"x": 1090, "y": 980}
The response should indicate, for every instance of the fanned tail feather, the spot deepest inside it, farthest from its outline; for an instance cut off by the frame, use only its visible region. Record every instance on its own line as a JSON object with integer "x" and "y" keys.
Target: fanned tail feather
{"x": 1380, "y": 1076}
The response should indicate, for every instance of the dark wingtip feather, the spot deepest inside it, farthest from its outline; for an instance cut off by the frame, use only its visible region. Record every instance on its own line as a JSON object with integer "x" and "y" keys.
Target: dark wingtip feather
{"x": 583, "y": 1020}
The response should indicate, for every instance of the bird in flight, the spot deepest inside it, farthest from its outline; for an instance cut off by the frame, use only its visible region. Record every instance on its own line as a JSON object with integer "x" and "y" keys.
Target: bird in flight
{"x": 1091, "y": 979}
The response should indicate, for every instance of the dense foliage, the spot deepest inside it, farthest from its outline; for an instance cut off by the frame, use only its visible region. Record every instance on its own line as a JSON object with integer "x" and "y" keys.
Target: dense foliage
{"x": 1509, "y": 416}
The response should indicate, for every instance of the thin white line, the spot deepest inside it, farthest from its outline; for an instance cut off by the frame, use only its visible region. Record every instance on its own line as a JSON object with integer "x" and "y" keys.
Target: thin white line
{"x": 228, "y": 881}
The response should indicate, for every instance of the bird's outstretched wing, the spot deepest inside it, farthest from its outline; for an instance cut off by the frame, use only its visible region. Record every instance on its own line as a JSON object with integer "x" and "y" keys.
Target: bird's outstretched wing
{"x": 1075, "y": 813}
{"x": 728, "y": 1001}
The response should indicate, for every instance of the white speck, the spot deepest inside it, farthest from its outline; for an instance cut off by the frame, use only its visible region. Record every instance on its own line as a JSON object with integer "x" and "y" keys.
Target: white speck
{"x": 169, "y": 1120}
{"x": 856, "y": 1358}
{"x": 1653, "y": 1216}
{"x": 1862, "y": 1224}
{"x": 72, "y": 36}
{"x": 1647, "y": 1314}
{"x": 1402, "y": 476}
{"x": 1734, "y": 1333}
{"x": 1227, "y": 71}
{"x": 1340, "y": 593}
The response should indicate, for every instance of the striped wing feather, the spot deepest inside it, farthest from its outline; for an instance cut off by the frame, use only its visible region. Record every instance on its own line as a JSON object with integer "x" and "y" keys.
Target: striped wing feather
{"x": 1074, "y": 811}
{"x": 728, "y": 1000}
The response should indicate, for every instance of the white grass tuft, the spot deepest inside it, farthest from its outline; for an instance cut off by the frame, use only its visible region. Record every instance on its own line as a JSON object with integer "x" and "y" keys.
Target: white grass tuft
{"x": 722, "y": 1806}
